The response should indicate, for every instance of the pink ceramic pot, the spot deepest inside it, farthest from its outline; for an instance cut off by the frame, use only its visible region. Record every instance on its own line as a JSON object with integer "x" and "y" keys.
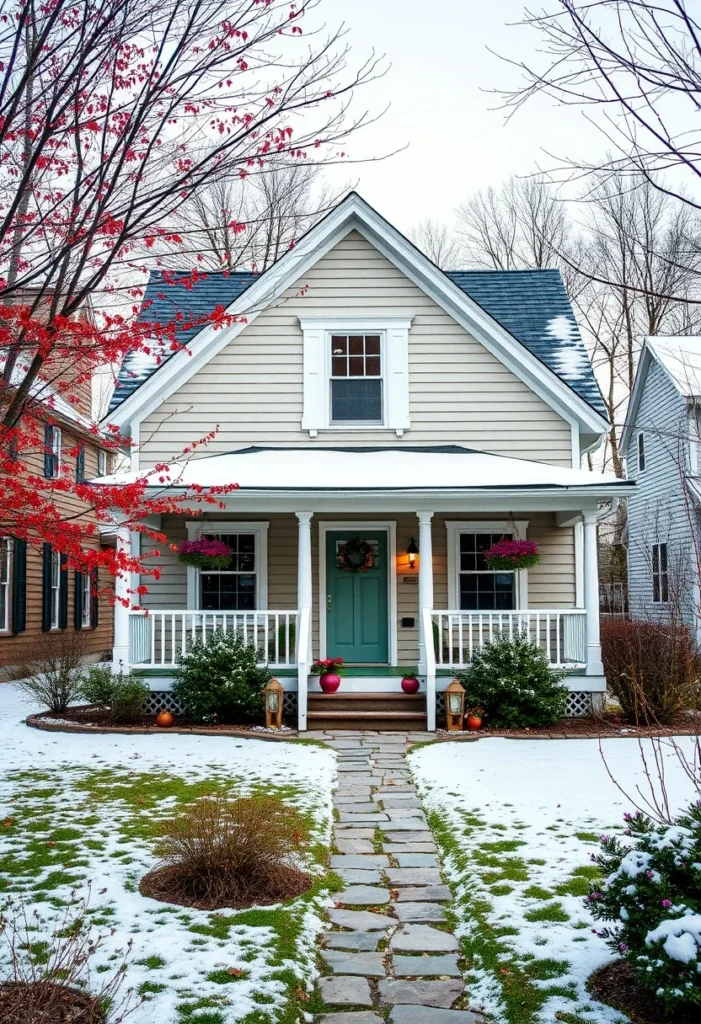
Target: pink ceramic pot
{"x": 329, "y": 682}
{"x": 410, "y": 685}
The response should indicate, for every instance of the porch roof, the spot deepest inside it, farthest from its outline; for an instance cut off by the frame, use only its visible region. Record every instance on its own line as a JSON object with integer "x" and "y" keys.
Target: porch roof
{"x": 363, "y": 469}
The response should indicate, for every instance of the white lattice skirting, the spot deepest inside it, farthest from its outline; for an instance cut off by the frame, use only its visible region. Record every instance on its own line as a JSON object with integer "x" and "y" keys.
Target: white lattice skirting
{"x": 580, "y": 703}
{"x": 163, "y": 700}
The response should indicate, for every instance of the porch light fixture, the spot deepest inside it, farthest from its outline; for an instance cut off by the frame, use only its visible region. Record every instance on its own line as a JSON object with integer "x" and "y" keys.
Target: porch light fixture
{"x": 412, "y": 551}
{"x": 273, "y": 704}
{"x": 454, "y": 706}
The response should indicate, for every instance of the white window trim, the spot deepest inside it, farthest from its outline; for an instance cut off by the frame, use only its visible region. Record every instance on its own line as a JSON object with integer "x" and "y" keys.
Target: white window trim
{"x": 259, "y": 529}
{"x": 101, "y": 462}
{"x": 363, "y": 525}
{"x": 56, "y": 446}
{"x": 394, "y": 349}
{"x": 86, "y": 602}
{"x": 55, "y": 590}
{"x": 640, "y": 437}
{"x": 6, "y": 542}
{"x": 518, "y": 527}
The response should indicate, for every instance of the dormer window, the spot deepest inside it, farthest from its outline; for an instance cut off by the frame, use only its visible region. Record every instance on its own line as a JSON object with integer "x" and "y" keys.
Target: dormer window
{"x": 356, "y": 379}
{"x": 641, "y": 453}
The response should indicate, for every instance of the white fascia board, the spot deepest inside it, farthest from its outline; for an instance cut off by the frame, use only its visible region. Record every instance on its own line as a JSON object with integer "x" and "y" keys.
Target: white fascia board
{"x": 354, "y": 214}
{"x": 636, "y": 394}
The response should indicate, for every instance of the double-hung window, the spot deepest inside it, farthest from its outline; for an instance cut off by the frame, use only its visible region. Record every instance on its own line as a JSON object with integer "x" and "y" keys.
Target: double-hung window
{"x": 5, "y": 582}
{"x": 101, "y": 462}
{"x": 356, "y": 379}
{"x": 660, "y": 577}
{"x": 52, "y": 451}
{"x": 86, "y": 601}
{"x": 641, "y": 452}
{"x": 481, "y": 588}
{"x": 235, "y": 588}
{"x": 55, "y": 616}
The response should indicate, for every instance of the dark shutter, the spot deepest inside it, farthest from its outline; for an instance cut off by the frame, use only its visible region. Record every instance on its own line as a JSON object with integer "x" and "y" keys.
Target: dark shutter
{"x": 46, "y": 588}
{"x": 78, "y": 600}
{"x": 63, "y": 595}
{"x": 48, "y": 450}
{"x": 80, "y": 465}
{"x": 94, "y": 601}
{"x": 19, "y": 586}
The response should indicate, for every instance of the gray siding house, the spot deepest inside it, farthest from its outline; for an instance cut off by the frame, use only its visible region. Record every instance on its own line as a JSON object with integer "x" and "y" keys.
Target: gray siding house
{"x": 365, "y": 400}
{"x": 661, "y": 444}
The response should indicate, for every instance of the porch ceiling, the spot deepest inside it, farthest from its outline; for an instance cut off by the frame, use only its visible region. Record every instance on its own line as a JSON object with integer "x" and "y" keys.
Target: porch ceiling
{"x": 392, "y": 471}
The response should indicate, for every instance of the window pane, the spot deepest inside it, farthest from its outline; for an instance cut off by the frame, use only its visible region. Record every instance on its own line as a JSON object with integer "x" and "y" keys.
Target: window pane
{"x": 356, "y": 345}
{"x": 356, "y": 366}
{"x": 339, "y": 345}
{"x": 487, "y": 591}
{"x": 372, "y": 344}
{"x": 339, "y": 366}
{"x": 4, "y": 561}
{"x": 372, "y": 366}
{"x": 353, "y": 400}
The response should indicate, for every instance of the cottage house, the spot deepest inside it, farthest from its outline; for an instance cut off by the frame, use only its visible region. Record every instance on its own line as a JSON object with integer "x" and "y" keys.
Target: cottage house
{"x": 371, "y": 406}
{"x": 661, "y": 444}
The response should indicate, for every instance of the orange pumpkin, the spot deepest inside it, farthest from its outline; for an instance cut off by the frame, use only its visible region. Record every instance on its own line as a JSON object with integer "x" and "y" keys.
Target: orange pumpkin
{"x": 473, "y": 723}
{"x": 164, "y": 719}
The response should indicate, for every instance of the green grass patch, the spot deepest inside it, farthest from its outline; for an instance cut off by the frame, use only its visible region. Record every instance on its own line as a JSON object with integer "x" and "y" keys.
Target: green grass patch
{"x": 552, "y": 912}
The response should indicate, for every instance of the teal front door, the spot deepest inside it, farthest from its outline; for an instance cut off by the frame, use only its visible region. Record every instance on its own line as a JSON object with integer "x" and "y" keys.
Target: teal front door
{"x": 357, "y": 602}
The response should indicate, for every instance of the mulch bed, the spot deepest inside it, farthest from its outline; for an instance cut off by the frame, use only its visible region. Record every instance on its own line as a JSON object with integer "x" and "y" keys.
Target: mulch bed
{"x": 608, "y": 723}
{"x": 29, "y": 1002}
{"x": 92, "y": 718}
{"x": 615, "y": 984}
{"x": 170, "y": 885}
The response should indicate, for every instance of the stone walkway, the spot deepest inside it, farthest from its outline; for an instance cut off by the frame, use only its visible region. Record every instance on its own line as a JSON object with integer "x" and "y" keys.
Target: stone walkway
{"x": 397, "y": 959}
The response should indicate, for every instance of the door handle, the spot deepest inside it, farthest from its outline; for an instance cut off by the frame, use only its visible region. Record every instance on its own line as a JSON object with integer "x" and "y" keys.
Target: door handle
{"x": 328, "y": 602}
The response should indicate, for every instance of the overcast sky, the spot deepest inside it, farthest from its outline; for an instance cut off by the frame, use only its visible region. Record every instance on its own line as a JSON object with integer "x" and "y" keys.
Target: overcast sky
{"x": 440, "y": 105}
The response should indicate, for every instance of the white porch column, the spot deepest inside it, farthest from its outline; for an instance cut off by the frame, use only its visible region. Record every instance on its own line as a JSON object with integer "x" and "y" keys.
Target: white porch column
{"x": 591, "y": 595}
{"x": 120, "y": 651}
{"x": 425, "y": 581}
{"x": 304, "y": 604}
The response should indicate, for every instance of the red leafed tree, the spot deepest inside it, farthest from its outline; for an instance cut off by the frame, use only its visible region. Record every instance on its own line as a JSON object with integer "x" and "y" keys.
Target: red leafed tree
{"x": 113, "y": 114}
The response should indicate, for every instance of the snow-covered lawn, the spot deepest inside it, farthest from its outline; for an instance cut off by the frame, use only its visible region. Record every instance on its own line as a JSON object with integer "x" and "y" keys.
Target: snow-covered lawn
{"x": 79, "y": 809}
{"x": 517, "y": 821}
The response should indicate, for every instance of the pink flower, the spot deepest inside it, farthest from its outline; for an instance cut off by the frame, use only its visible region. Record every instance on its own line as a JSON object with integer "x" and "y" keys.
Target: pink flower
{"x": 666, "y": 904}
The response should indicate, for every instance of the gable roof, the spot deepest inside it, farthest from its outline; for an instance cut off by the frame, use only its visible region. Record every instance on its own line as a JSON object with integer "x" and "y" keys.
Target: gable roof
{"x": 531, "y": 304}
{"x": 680, "y": 359}
{"x": 547, "y": 353}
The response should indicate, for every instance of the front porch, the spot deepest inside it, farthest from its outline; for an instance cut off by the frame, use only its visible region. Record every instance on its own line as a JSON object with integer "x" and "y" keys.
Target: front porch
{"x": 425, "y": 599}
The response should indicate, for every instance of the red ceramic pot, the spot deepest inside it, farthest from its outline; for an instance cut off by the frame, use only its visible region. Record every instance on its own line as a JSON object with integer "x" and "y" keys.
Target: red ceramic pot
{"x": 329, "y": 682}
{"x": 410, "y": 685}
{"x": 473, "y": 723}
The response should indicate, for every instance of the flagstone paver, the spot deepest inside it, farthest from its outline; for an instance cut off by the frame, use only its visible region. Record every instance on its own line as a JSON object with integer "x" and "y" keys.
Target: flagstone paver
{"x": 395, "y": 901}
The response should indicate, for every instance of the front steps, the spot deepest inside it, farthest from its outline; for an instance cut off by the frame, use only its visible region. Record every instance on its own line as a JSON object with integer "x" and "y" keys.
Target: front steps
{"x": 387, "y": 712}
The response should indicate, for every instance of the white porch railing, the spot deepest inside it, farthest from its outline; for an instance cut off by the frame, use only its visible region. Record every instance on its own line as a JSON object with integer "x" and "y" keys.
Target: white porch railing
{"x": 456, "y": 635}
{"x": 157, "y": 638}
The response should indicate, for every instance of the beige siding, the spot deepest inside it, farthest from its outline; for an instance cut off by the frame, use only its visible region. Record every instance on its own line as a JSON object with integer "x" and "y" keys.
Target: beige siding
{"x": 550, "y": 584}
{"x": 459, "y": 392}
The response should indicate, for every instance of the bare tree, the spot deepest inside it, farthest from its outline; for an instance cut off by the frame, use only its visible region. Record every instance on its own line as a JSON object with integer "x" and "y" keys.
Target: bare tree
{"x": 635, "y": 66}
{"x": 235, "y": 224}
{"x": 437, "y": 242}
{"x": 523, "y": 225}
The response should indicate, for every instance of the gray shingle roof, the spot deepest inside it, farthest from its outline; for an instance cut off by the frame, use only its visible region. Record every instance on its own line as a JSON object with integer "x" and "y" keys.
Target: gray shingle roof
{"x": 531, "y": 304}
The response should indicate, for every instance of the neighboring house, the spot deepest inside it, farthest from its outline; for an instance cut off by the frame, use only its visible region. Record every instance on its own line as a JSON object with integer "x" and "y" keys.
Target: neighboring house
{"x": 368, "y": 396}
{"x": 41, "y": 602}
{"x": 661, "y": 444}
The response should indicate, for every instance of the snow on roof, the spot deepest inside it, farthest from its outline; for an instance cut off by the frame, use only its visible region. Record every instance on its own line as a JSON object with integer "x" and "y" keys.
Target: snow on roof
{"x": 42, "y": 392}
{"x": 360, "y": 469}
{"x": 681, "y": 358}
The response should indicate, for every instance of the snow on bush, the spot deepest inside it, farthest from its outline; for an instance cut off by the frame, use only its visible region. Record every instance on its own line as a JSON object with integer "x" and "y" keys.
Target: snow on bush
{"x": 652, "y": 893}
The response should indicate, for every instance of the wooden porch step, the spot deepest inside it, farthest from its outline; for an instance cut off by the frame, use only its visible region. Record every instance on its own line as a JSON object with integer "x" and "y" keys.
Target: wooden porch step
{"x": 379, "y": 703}
{"x": 385, "y": 721}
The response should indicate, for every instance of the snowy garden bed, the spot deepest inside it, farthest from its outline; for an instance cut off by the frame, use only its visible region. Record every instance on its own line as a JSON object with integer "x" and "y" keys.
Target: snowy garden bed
{"x": 517, "y": 823}
{"x": 79, "y": 812}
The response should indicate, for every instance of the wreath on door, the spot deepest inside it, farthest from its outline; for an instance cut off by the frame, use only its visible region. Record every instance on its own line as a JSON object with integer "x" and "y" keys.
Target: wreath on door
{"x": 356, "y": 555}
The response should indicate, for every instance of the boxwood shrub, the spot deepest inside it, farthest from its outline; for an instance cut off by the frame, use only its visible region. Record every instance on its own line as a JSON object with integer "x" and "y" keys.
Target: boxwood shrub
{"x": 220, "y": 679}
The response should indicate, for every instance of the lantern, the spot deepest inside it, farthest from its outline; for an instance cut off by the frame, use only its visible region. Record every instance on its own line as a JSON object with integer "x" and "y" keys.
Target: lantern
{"x": 273, "y": 704}
{"x": 411, "y": 552}
{"x": 454, "y": 706}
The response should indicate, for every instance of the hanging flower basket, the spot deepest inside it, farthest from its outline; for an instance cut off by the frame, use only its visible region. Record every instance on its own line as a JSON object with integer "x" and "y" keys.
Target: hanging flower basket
{"x": 512, "y": 555}
{"x": 205, "y": 554}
